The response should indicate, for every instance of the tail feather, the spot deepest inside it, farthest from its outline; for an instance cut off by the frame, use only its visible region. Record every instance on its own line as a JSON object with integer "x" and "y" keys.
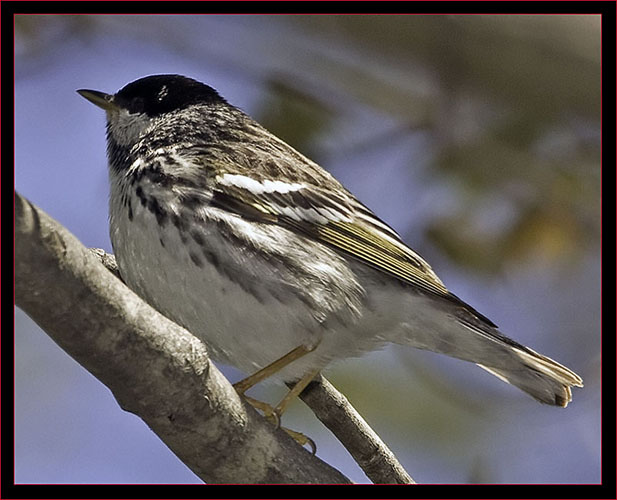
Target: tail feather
{"x": 540, "y": 377}
{"x": 460, "y": 333}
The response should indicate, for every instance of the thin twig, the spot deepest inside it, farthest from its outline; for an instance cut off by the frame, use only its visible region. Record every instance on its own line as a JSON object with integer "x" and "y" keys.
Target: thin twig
{"x": 364, "y": 445}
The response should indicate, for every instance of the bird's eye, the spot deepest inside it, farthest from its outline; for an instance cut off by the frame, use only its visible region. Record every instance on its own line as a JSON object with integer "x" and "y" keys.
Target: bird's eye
{"x": 137, "y": 105}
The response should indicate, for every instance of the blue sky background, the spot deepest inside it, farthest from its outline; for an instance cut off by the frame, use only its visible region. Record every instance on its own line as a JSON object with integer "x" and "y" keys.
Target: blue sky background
{"x": 446, "y": 420}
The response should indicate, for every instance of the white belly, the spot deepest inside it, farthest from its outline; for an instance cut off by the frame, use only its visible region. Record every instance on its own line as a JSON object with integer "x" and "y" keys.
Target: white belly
{"x": 241, "y": 318}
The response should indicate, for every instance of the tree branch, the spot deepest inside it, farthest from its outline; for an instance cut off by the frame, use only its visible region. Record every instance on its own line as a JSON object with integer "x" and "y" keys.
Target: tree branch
{"x": 154, "y": 368}
{"x": 330, "y": 406}
{"x": 362, "y": 442}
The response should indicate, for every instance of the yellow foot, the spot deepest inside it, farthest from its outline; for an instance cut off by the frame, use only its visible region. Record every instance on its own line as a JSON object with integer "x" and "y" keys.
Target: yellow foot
{"x": 273, "y": 413}
{"x": 273, "y": 416}
{"x": 268, "y": 410}
{"x": 301, "y": 439}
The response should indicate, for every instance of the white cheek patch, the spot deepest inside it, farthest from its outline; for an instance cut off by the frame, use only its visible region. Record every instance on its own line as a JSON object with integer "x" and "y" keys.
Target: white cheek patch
{"x": 126, "y": 128}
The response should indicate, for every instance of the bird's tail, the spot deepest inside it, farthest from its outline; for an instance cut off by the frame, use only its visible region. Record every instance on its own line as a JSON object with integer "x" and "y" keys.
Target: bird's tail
{"x": 463, "y": 334}
{"x": 540, "y": 377}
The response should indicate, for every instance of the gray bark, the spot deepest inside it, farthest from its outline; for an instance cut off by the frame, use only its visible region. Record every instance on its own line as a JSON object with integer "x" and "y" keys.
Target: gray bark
{"x": 162, "y": 373}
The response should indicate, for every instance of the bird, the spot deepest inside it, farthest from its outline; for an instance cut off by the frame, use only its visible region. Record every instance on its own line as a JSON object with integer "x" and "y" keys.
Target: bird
{"x": 267, "y": 258}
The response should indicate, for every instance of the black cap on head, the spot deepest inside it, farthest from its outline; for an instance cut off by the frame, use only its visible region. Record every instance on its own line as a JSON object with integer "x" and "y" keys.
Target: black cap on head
{"x": 158, "y": 94}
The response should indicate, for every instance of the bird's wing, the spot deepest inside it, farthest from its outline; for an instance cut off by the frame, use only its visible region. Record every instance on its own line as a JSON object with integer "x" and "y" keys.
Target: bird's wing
{"x": 335, "y": 218}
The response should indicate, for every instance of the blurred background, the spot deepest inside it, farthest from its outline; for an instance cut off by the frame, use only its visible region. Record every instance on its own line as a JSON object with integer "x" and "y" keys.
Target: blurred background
{"x": 476, "y": 137}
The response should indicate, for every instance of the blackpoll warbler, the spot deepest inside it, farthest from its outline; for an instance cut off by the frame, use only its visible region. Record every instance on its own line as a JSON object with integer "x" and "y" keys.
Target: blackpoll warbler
{"x": 262, "y": 254}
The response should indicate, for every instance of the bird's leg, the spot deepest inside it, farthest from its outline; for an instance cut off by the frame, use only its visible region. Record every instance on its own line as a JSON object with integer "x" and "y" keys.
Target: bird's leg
{"x": 246, "y": 383}
{"x": 274, "y": 413}
{"x": 295, "y": 391}
{"x": 282, "y": 406}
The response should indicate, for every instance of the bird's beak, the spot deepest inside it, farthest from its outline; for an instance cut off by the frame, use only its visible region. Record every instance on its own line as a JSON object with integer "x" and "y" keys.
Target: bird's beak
{"x": 100, "y": 99}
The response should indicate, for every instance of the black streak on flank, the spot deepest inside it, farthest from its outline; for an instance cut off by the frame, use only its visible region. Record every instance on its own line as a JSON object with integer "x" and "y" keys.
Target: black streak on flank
{"x": 196, "y": 259}
{"x": 211, "y": 257}
{"x": 155, "y": 175}
{"x": 159, "y": 212}
{"x": 178, "y": 222}
{"x": 192, "y": 202}
{"x": 198, "y": 237}
{"x": 140, "y": 194}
